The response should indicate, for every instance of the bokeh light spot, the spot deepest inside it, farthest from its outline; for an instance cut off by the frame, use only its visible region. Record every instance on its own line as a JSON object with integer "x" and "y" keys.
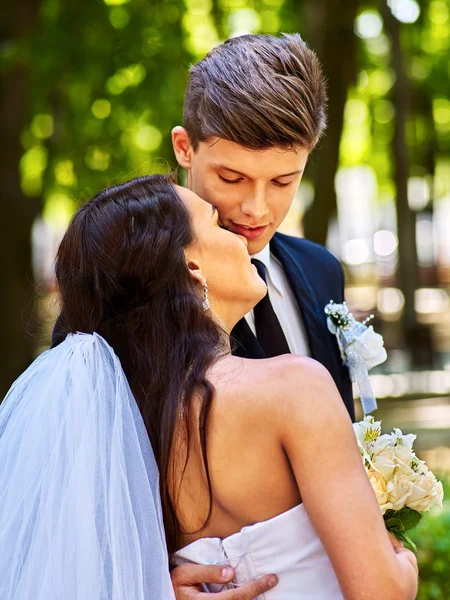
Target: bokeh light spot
{"x": 119, "y": 17}
{"x": 390, "y": 301}
{"x": 356, "y": 252}
{"x": 64, "y": 173}
{"x": 244, "y": 20}
{"x": 116, "y": 2}
{"x": 384, "y": 242}
{"x": 368, "y": 24}
{"x": 383, "y": 111}
{"x": 406, "y": 11}
{"x": 97, "y": 158}
{"x": 32, "y": 165}
{"x": 42, "y": 126}
{"x": 441, "y": 111}
{"x": 148, "y": 137}
{"x": 438, "y": 12}
{"x": 101, "y": 108}
{"x": 356, "y": 111}
{"x": 58, "y": 210}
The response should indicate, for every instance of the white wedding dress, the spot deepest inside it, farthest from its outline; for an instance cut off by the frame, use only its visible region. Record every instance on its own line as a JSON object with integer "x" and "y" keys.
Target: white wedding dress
{"x": 286, "y": 545}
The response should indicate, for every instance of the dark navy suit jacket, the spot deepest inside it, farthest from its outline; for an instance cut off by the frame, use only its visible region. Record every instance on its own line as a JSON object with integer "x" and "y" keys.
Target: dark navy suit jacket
{"x": 316, "y": 277}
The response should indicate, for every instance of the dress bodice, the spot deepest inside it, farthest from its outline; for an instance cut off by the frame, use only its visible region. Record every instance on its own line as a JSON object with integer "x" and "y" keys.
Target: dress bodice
{"x": 286, "y": 545}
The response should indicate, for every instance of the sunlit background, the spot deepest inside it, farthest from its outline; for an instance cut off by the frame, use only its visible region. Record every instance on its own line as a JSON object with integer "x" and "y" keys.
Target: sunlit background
{"x": 90, "y": 91}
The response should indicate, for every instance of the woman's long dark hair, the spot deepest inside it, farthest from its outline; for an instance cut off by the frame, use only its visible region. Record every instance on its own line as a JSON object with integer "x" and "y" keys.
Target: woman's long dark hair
{"x": 122, "y": 272}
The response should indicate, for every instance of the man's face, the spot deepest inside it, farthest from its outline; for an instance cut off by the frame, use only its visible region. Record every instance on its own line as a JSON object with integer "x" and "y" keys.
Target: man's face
{"x": 252, "y": 189}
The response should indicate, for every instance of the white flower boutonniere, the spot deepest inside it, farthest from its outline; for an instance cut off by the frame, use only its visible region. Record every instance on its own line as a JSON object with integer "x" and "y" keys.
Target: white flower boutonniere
{"x": 360, "y": 346}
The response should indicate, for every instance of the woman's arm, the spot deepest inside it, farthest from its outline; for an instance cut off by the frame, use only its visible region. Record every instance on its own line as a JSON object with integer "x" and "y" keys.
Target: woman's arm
{"x": 316, "y": 433}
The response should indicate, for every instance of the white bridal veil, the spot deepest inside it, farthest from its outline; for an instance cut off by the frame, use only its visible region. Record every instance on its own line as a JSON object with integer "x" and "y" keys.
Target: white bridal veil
{"x": 80, "y": 514}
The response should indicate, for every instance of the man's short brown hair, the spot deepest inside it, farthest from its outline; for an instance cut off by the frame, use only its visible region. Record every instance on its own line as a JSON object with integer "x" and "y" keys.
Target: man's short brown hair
{"x": 258, "y": 91}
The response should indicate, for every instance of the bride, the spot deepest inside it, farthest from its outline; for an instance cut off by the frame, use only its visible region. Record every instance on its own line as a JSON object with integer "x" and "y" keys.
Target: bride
{"x": 258, "y": 462}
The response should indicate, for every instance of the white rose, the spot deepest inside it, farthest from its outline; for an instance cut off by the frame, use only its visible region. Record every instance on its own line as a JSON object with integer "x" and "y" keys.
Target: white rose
{"x": 379, "y": 485}
{"x": 370, "y": 347}
{"x": 383, "y": 462}
{"x": 392, "y": 459}
{"x": 426, "y": 493}
{"x": 404, "y": 458}
{"x": 399, "y": 489}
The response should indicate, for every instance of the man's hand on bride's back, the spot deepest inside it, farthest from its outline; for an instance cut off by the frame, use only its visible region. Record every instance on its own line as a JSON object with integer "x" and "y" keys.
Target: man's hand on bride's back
{"x": 187, "y": 578}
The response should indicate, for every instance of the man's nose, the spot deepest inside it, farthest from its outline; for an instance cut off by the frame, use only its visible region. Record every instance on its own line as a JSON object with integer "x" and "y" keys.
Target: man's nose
{"x": 255, "y": 206}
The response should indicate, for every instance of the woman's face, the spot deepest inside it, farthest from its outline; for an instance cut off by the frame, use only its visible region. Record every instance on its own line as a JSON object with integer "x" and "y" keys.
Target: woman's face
{"x": 220, "y": 259}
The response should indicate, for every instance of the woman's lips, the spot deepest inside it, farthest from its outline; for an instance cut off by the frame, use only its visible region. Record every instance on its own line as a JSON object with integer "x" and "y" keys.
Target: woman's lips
{"x": 252, "y": 233}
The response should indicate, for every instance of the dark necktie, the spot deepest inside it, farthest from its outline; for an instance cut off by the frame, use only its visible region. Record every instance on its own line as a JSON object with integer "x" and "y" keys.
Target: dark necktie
{"x": 268, "y": 329}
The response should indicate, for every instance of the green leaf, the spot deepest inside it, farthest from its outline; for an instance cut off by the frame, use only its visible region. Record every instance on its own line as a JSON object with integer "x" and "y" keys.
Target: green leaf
{"x": 394, "y": 523}
{"x": 408, "y": 517}
{"x": 388, "y": 514}
{"x": 399, "y": 521}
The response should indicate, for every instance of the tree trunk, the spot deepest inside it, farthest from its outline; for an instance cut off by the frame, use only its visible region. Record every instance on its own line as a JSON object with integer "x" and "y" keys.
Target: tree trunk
{"x": 218, "y": 18}
{"x": 330, "y": 32}
{"x": 415, "y": 338}
{"x": 18, "y": 212}
{"x": 427, "y": 158}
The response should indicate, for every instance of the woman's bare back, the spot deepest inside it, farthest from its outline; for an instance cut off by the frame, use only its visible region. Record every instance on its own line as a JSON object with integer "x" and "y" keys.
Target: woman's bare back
{"x": 250, "y": 474}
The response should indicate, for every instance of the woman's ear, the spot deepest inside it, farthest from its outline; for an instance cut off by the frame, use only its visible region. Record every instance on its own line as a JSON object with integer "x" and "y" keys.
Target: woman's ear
{"x": 182, "y": 146}
{"x": 195, "y": 271}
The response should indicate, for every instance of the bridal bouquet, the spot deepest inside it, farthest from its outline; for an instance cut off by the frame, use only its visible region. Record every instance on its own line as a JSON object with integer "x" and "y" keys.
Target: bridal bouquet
{"x": 404, "y": 485}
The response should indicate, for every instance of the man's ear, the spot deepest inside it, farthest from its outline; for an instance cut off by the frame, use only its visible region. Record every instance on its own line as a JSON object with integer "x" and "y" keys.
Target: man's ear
{"x": 182, "y": 146}
{"x": 195, "y": 271}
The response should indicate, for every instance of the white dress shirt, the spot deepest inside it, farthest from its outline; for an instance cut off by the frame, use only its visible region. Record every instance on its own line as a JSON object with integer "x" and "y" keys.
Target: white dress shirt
{"x": 284, "y": 304}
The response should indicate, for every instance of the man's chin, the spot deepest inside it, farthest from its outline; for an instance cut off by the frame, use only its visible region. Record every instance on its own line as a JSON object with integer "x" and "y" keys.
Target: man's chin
{"x": 255, "y": 246}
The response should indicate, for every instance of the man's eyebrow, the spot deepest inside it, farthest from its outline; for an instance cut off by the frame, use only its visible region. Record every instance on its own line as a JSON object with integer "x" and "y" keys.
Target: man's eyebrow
{"x": 289, "y": 174}
{"x": 231, "y": 170}
{"x": 225, "y": 168}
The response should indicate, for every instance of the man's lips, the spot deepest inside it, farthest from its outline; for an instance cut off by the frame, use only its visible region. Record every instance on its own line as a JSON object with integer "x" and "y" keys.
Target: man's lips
{"x": 251, "y": 233}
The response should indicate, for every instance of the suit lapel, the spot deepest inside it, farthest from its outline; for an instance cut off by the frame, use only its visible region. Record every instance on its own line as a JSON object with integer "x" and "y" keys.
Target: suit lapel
{"x": 245, "y": 343}
{"x": 312, "y": 313}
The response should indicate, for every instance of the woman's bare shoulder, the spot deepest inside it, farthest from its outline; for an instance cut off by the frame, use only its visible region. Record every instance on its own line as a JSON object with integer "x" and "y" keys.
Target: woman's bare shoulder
{"x": 255, "y": 386}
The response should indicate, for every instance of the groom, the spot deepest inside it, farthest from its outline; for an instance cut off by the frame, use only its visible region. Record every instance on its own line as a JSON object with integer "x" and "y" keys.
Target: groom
{"x": 254, "y": 109}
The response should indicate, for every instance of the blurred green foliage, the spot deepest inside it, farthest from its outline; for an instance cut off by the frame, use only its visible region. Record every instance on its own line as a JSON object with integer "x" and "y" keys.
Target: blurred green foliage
{"x": 433, "y": 542}
{"x": 369, "y": 113}
{"x": 108, "y": 79}
{"x": 107, "y": 86}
